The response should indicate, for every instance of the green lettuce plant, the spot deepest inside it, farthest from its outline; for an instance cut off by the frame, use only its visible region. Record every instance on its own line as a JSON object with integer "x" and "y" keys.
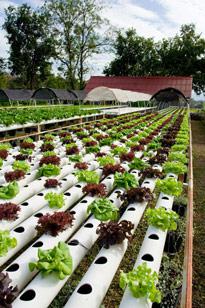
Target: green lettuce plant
{"x": 174, "y": 167}
{"x": 5, "y": 146}
{"x": 49, "y": 153}
{"x": 119, "y": 150}
{"x": 138, "y": 164}
{"x": 106, "y": 160}
{"x": 55, "y": 200}
{"x": 170, "y": 187}
{"x": 162, "y": 219}
{"x": 125, "y": 180}
{"x": 177, "y": 156}
{"x": 76, "y": 158}
{"x": 103, "y": 209}
{"x": 179, "y": 147}
{"x": 26, "y": 151}
{"x": 21, "y": 165}
{"x": 9, "y": 191}
{"x": 6, "y": 242}
{"x": 141, "y": 281}
{"x": 88, "y": 176}
{"x": 56, "y": 261}
{"x": 48, "y": 170}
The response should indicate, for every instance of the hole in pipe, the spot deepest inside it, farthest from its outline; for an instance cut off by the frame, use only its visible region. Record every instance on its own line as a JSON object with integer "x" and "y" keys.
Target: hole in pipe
{"x": 73, "y": 243}
{"x": 134, "y": 171}
{"x": 146, "y": 182}
{"x": 40, "y": 194}
{"x": 171, "y": 176}
{"x": 154, "y": 237}
{"x": 67, "y": 194}
{"x": 165, "y": 198}
{"x": 13, "y": 268}
{"x": 28, "y": 295}
{"x": 117, "y": 191}
{"x": 72, "y": 212}
{"x": 84, "y": 201}
{"x": 101, "y": 260}
{"x": 85, "y": 289}
{"x": 24, "y": 204}
{"x": 78, "y": 185}
{"x": 38, "y": 215}
{"x": 19, "y": 230}
{"x": 131, "y": 209}
{"x": 88, "y": 225}
{"x": 38, "y": 244}
{"x": 148, "y": 257}
{"x": 64, "y": 179}
{"x": 25, "y": 185}
{"x": 111, "y": 201}
{"x": 109, "y": 177}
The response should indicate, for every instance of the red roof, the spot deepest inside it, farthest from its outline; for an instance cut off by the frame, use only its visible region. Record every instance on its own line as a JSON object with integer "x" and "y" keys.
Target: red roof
{"x": 150, "y": 85}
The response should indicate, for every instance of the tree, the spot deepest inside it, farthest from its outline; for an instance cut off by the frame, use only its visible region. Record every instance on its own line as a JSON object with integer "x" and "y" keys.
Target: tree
{"x": 183, "y": 55}
{"x": 135, "y": 55}
{"x": 76, "y": 24}
{"x": 31, "y": 44}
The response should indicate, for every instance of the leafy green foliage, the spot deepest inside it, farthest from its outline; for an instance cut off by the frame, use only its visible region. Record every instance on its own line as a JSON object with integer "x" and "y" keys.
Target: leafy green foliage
{"x": 174, "y": 167}
{"x": 26, "y": 151}
{"x": 177, "y": 156}
{"x": 141, "y": 282}
{"x": 170, "y": 186}
{"x": 106, "y": 160}
{"x": 9, "y": 191}
{"x": 21, "y": 165}
{"x": 87, "y": 176}
{"x": 5, "y": 146}
{"x": 162, "y": 218}
{"x": 55, "y": 200}
{"x": 138, "y": 164}
{"x": 56, "y": 260}
{"x": 119, "y": 150}
{"x": 48, "y": 170}
{"x": 125, "y": 180}
{"x": 179, "y": 147}
{"x": 76, "y": 158}
{"x": 6, "y": 242}
{"x": 103, "y": 209}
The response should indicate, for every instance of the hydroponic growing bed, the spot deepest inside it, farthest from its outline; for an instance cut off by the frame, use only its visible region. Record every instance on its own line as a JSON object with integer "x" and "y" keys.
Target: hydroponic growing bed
{"x": 86, "y": 186}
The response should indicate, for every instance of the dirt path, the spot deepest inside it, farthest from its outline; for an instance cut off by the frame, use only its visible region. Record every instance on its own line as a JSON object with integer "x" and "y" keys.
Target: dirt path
{"x": 198, "y": 131}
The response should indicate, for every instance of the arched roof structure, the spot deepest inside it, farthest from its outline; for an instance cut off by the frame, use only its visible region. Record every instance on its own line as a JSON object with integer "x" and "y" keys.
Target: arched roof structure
{"x": 15, "y": 94}
{"x": 54, "y": 94}
{"x": 117, "y": 95}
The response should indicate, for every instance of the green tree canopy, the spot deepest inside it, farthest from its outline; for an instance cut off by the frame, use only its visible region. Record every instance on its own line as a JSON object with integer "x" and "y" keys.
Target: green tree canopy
{"x": 76, "y": 25}
{"x": 31, "y": 44}
{"x": 183, "y": 55}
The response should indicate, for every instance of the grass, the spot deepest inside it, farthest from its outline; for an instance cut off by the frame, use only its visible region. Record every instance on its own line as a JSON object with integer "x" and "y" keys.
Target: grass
{"x": 198, "y": 131}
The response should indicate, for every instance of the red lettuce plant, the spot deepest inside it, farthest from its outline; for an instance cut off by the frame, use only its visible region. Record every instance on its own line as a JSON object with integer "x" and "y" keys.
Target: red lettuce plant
{"x": 54, "y": 160}
{"x": 14, "y": 175}
{"x": 54, "y": 223}
{"x": 139, "y": 147}
{"x": 138, "y": 194}
{"x": 81, "y": 166}
{"x": 73, "y": 150}
{"x": 164, "y": 150}
{"x": 112, "y": 169}
{"x": 100, "y": 154}
{"x": 22, "y": 157}
{"x": 168, "y": 142}
{"x": 9, "y": 211}
{"x": 91, "y": 143}
{"x": 7, "y": 293}
{"x": 51, "y": 183}
{"x": 4, "y": 154}
{"x": 27, "y": 145}
{"x": 158, "y": 159}
{"x": 127, "y": 156}
{"x": 151, "y": 173}
{"x": 47, "y": 147}
{"x": 112, "y": 233}
{"x": 95, "y": 189}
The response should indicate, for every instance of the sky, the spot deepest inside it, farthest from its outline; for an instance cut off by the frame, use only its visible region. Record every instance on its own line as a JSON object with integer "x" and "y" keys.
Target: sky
{"x": 150, "y": 18}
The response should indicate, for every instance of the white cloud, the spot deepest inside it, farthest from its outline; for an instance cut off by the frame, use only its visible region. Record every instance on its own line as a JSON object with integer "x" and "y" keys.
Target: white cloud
{"x": 185, "y": 11}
